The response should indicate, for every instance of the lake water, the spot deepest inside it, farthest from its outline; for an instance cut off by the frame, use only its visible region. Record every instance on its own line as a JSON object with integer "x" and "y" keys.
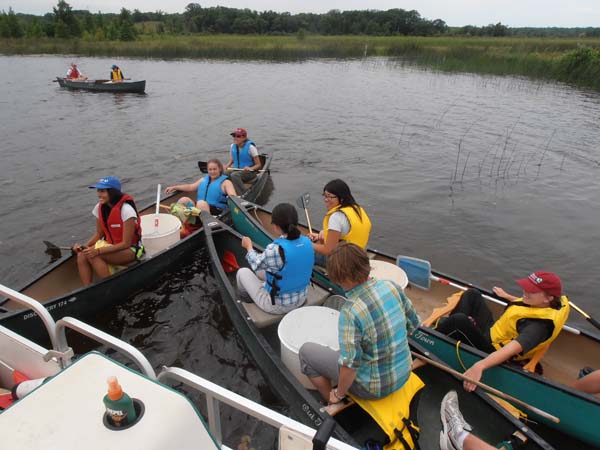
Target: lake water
{"x": 489, "y": 178}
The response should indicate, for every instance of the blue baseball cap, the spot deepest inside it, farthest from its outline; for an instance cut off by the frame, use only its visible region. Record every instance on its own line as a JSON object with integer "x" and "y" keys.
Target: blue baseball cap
{"x": 114, "y": 66}
{"x": 107, "y": 183}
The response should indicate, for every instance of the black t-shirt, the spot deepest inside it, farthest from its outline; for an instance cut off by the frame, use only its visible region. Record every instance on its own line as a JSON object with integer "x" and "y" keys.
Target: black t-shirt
{"x": 532, "y": 332}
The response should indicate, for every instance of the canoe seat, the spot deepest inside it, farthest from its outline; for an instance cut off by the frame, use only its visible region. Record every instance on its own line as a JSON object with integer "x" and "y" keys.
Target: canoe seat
{"x": 316, "y": 297}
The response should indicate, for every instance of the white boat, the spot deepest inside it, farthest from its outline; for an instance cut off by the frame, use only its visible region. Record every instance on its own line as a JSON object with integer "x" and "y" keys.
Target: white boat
{"x": 67, "y": 412}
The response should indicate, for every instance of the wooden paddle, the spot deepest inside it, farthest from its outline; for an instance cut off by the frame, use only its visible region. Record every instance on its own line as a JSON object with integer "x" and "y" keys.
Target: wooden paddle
{"x": 419, "y": 274}
{"x": 55, "y": 250}
{"x": 302, "y": 202}
{"x": 485, "y": 387}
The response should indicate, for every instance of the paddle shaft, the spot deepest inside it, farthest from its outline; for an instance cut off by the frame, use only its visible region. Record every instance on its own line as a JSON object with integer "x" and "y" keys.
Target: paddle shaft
{"x": 308, "y": 220}
{"x": 500, "y": 302}
{"x": 485, "y": 387}
{"x": 235, "y": 169}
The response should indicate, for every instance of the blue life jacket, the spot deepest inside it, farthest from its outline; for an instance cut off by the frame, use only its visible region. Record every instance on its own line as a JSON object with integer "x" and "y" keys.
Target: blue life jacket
{"x": 295, "y": 275}
{"x": 241, "y": 157}
{"x": 210, "y": 191}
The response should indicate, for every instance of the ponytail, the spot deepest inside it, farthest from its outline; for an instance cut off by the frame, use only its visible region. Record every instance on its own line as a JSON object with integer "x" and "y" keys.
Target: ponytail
{"x": 285, "y": 217}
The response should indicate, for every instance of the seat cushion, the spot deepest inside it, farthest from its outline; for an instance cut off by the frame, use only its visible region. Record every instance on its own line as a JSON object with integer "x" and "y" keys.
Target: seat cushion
{"x": 262, "y": 319}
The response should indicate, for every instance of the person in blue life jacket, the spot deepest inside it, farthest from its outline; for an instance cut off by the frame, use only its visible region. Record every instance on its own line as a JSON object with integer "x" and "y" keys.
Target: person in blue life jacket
{"x": 243, "y": 161}
{"x": 280, "y": 276}
{"x": 211, "y": 190}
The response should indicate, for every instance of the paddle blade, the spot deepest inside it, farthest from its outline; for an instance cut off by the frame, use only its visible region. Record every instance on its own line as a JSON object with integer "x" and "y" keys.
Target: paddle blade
{"x": 417, "y": 270}
{"x": 303, "y": 200}
{"x": 53, "y": 251}
{"x": 203, "y": 166}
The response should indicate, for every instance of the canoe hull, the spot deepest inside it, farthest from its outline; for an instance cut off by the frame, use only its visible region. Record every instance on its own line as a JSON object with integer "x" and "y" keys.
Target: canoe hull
{"x": 531, "y": 388}
{"x": 303, "y": 406}
{"x": 85, "y": 302}
{"x": 135, "y": 87}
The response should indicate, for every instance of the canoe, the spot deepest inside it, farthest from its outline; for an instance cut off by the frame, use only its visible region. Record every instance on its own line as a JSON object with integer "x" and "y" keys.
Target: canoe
{"x": 136, "y": 87}
{"x": 491, "y": 421}
{"x": 59, "y": 289}
{"x": 574, "y": 348}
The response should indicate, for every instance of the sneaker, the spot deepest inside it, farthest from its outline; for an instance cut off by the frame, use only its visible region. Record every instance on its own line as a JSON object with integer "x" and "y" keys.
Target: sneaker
{"x": 453, "y": 423}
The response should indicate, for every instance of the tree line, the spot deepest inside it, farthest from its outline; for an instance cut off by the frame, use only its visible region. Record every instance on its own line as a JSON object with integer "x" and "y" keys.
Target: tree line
{"x": 64, "y": 22}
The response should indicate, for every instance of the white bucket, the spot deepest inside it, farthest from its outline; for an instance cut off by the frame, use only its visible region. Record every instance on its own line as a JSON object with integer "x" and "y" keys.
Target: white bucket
{"x": 307, "y": 324}
{"x": 166, "y": 235}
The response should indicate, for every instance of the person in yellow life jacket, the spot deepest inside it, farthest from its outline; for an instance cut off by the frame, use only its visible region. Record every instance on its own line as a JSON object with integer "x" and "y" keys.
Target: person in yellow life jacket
{"x": 526, "y": 326}
{"x": 345, "y": 220}
{"x": 118, "y": 225}
{"x": 116, "y": 75}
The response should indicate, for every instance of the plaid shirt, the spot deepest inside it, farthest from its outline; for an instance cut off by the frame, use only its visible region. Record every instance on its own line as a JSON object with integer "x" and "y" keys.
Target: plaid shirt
{"x": 373, "y": 332}
{"x": 270, "y": 261}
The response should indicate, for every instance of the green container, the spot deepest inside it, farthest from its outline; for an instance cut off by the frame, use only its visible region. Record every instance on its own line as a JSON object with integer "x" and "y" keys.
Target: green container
{"x": 120, "y": 410}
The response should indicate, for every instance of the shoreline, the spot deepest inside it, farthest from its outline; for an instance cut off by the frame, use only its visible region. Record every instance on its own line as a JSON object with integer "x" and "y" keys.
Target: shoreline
{"x": 575, "y": 61}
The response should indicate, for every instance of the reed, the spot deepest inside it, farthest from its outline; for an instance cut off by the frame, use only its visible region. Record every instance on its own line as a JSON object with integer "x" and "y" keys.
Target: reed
{"x": 574, "y": 61}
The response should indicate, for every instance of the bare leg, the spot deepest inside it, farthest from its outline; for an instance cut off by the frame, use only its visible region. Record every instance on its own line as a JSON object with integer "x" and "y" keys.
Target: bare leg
{"x": 201, "y": 204}
{"x": 472, "y": 442}
{"x": 85, "y": 269}
{"x": 590, "y": 383}
{"x": 120, "y": 258}
{"x": 323, "y": 385}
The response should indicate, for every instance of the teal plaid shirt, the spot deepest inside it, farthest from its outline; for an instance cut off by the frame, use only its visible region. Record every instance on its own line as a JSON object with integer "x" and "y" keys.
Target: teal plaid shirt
{"x": 374, "y": 326}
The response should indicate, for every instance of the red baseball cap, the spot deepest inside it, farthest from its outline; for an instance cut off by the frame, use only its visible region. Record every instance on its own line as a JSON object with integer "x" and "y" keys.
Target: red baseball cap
{"x": 547, "y": 282}
{"x": 239, "y": 131}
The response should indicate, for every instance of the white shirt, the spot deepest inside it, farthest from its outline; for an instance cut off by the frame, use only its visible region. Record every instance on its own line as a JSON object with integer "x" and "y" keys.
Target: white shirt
{"x": 339, "y": 222}
{"x": 127, "y": 212}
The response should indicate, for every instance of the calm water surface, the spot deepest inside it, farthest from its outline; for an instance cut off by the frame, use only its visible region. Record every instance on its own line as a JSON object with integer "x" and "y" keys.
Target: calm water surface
{"x": 489, "y": 178}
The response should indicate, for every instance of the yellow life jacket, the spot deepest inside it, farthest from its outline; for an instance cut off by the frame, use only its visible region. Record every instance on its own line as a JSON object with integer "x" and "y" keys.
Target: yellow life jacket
{"x": 392, "y": 414}
{"x": 360, "y": 227}
{"x": 116, "y": 74}
{"x": 505, "y": 328}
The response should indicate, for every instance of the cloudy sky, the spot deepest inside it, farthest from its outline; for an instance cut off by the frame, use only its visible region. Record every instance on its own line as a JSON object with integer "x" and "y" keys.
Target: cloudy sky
{"x": 561, "y": 13}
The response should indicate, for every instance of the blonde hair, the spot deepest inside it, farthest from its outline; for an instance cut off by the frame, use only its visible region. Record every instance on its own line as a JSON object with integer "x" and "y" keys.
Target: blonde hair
{"x": 348, "y": 262}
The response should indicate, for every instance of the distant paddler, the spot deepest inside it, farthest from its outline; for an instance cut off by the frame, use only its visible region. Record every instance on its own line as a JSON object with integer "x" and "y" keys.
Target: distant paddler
{"x": 73, "y": 73}
{"x": 118, "y": 237}
{"x": 116, "y": 75}
{"x": 211, "y": 195}
{"x": 243, "y": 162}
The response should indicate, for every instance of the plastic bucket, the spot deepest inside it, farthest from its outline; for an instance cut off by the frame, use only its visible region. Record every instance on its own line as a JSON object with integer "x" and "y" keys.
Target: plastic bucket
{"x": 167, "y": 234}
{"x": 307, "y": 324}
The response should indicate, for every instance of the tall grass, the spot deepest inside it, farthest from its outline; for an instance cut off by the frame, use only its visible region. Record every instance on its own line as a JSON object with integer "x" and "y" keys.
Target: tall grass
{"x": 575, "y": 61}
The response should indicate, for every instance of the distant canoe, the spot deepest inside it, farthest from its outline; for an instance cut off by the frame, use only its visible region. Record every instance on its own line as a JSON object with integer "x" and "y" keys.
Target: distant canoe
{"x": 103, "y": 85}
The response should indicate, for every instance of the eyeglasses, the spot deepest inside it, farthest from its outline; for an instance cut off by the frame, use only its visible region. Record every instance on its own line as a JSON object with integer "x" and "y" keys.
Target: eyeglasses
{"x": 329, "y": 196}
{"x": 237, "y": 136}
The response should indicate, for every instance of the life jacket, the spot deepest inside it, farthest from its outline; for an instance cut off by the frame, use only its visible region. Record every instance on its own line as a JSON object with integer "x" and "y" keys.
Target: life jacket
{"x": 360, "y": 227}
{"x": 116, "y": 74}
{"x": 505, "y": 328}
{"x": 74, "y": 73}
{"x": 210, "y": 191}
{"x": 241, "y": 157}
{"x": 392, "y": 414}
{"x": 299, "y": 259}
{"x": 113, "y": 227}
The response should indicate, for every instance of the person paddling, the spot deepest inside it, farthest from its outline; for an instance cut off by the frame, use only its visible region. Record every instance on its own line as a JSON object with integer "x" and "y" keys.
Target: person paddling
{"x": 243, "y": 157}
{"x": 345, "y": 221}
{"x": 528, "y": 324}
{"x": 283, "y": 270}
{"x": 118, "y": 237}
{"x": 211, "y": 190}
{"x": 116, "y": 75}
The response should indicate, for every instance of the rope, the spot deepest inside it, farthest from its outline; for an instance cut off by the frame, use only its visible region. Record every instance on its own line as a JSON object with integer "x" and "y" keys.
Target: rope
{"x": 459, "y": 357}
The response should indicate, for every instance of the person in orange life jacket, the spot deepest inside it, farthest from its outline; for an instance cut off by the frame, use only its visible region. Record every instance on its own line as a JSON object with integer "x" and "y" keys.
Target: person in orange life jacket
{"x": 244, "y": 155}
{"x": 116, "y": 75}
{"x": 283, "y": 270}
{"x": 212, "y": 190}
{"x": 345, "y": 220}
{"x": 525, "y": 325}
{"x": 118, "y": 223}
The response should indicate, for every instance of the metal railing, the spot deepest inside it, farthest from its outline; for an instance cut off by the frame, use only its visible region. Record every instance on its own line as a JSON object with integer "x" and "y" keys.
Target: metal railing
{"x": 216, "y": 394}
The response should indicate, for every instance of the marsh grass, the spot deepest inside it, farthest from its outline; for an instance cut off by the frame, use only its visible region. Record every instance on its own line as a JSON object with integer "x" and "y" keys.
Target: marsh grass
{"x": 575, "y": 61}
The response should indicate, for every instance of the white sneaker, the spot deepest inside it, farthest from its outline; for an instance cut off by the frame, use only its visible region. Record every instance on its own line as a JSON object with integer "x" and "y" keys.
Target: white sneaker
{"x": 453, "y": 423}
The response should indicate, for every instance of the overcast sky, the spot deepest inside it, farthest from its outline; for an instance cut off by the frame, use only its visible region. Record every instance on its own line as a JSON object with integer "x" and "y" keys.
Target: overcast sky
{"x": 515, "y": 13}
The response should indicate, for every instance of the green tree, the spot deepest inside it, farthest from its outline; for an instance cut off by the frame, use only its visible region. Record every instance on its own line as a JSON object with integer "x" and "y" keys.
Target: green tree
{"x": 35, "y": 29}
{"x": 65, "y": 22}
{"x": 127, "y": 31}
{"x": 10, "y": 27}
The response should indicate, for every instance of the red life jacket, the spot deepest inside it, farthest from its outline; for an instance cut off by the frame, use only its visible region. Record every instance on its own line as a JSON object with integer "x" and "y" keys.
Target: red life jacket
{"x": 74, "y": 73}
{"x": 113, "y": 227}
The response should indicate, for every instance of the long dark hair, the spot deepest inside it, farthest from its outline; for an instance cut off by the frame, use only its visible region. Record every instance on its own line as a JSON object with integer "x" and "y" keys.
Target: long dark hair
{"x": 340, "y": 189}
{"x": 114, "y": 196}
{"x": 285, "y": 217}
